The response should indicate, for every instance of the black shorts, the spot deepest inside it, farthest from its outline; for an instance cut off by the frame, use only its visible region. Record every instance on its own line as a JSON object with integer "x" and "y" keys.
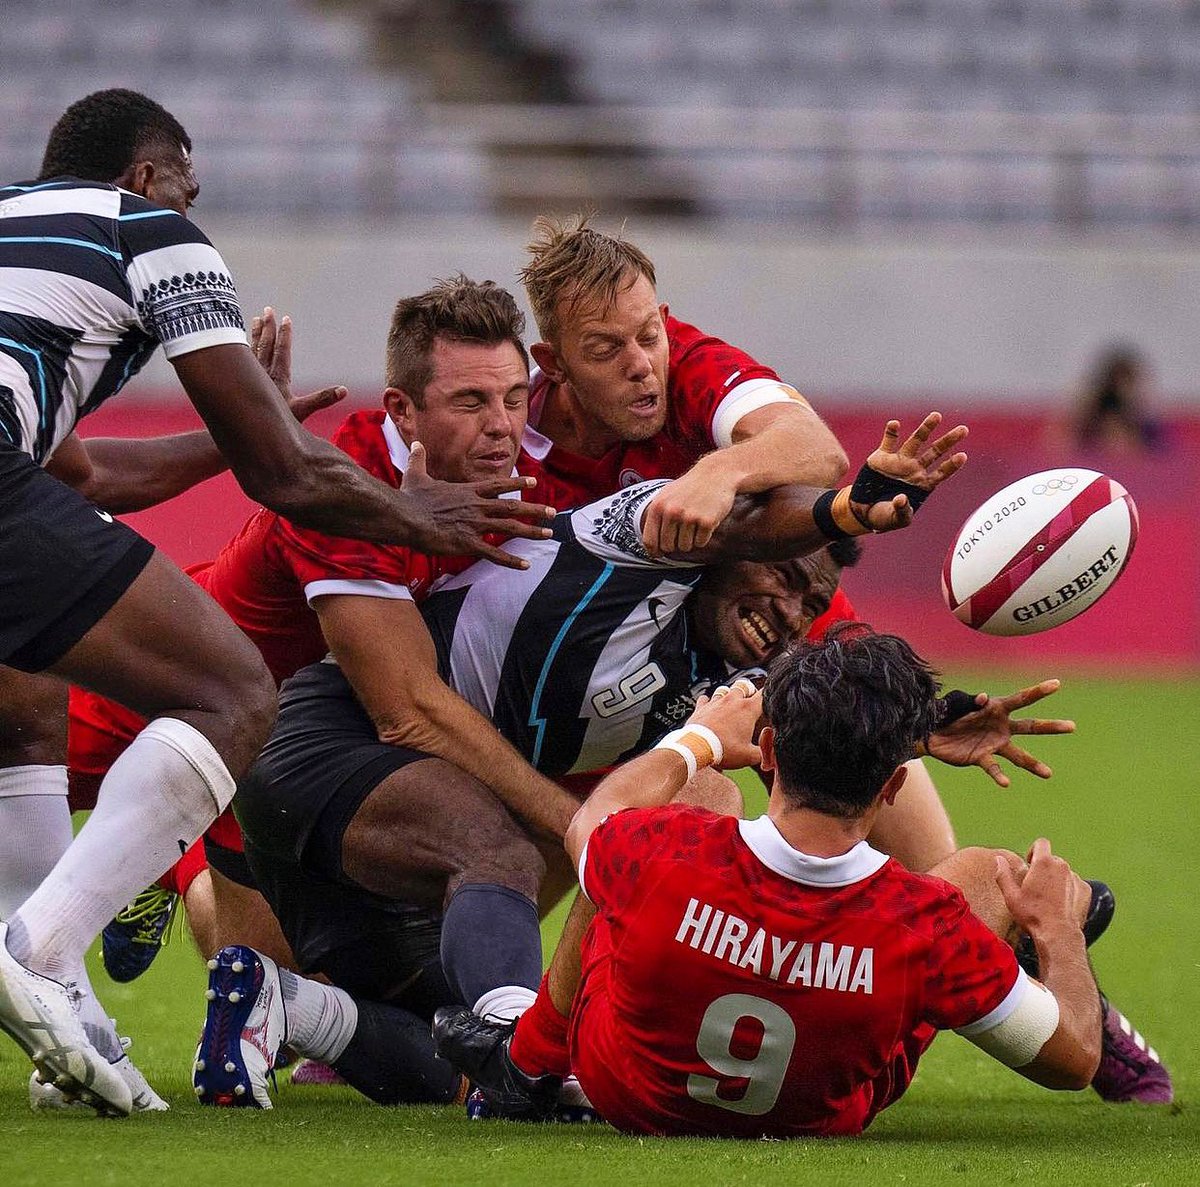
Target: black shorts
{"x": 374, "y": 948}
{"x": 63, "y": 563}
{"x": 322, "y": 760}
{"x": 230, "y": 863}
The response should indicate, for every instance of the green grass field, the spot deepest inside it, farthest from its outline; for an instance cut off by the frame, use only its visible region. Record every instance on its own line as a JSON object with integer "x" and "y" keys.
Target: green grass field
{"x": 1120, "y": 807}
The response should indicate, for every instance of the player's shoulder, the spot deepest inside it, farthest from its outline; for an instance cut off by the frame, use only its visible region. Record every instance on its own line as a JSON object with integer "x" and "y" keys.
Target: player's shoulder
{"x": 923, "y": 903}
{"x": 841, "y": 609}
{"x": 662, "y": 828}
{"x": 145, "y": 226}
{"x": 362, "y": 436}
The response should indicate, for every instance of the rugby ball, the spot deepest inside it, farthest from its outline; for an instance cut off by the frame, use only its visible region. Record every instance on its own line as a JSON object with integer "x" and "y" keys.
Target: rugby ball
{"x": 1040, "y": 552}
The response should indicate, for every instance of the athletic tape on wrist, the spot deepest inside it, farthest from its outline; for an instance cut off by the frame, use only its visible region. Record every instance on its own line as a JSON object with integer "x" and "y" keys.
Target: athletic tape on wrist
{"x": 697, "y": 745}
{"x": 872, "y": 487}
{"x": 827, "y": 525}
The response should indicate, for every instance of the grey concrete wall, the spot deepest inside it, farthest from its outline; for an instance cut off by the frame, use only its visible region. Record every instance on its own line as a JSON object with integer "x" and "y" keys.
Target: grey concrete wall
{"x": 1005, "y": 321}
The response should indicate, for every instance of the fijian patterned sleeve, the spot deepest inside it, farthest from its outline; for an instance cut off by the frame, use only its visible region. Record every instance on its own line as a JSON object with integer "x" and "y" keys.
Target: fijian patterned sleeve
{"x": 970, "y": 969}
{"x": 611, "y": 528}
{"x": 179, "y": 284}
{"x": 713, "y": 385}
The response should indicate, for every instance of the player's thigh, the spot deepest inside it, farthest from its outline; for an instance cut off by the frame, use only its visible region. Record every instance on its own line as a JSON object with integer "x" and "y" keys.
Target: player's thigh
{"x": 165, "y": 646}
{"x": 431, "y": 825}
{"x": 241, "y": 915}
{"x": 33, "y": 719}
{"x": 714, "y": 790}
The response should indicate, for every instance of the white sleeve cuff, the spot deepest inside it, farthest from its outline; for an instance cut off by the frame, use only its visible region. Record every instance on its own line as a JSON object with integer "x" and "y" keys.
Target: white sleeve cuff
{"x": 362, "y": 589}
{"x": 582, "y": 867}
{"x": 745, "y": 398}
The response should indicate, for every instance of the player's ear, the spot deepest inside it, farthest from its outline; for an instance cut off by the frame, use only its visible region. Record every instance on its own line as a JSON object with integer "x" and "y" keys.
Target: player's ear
{"x": 895, "y": 781}
{"x": 664, "y": 311}
{"x": 138, "y": 178}
{"x": 400, "y": 406}
{"x": 546, "y": 358}
{"x": 766, "y": 743}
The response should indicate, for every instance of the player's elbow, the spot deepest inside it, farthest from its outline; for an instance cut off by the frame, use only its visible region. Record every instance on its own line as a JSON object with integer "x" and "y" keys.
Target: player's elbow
{"x": 836, "y": 462}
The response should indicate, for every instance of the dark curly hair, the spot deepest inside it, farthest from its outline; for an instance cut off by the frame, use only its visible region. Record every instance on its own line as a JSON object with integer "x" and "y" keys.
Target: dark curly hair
{"x": 101, "y": 135}
{"x": 847, "y": 712}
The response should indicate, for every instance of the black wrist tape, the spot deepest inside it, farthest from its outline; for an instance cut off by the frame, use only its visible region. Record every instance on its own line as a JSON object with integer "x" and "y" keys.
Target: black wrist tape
{"x": 953, "y": 705}
{"x": 822, "y": 513}
{"x": 872, "y": 487}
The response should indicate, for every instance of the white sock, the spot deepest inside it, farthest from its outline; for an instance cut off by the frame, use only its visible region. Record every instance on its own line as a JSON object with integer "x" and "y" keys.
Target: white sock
{"x": 156, "y": 799}
{"x": 321, "y": 1019}
{"x": 35, "y": 830}
{"x": 505, "y": 1003}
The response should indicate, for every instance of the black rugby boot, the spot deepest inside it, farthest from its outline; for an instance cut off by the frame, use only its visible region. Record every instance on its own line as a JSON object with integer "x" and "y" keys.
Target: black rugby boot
{"x": 1099, "y": 916}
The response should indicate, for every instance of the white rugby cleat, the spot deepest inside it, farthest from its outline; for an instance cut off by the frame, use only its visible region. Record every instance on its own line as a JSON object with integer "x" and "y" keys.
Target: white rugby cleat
{"x": 37, "y": 1012}
{"x": 45, "y": 1097}
{"x": 243, "y": 1030}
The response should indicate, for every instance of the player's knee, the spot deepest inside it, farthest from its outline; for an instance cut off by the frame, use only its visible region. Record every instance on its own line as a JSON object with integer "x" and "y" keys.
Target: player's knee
{"x": 246, "y": 700}
{"x": 508, "y": 859}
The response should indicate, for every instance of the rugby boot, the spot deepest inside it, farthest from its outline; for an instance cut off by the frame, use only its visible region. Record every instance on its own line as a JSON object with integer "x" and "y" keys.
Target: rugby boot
{"x": 135, "y": 936}
{"x": 1099, "y": 916}
{"x": 316, "y": 1074}
{"x": 479, "y": 1048}
{"x": 45, "y": 1097}
{"x": 243, "y": 1030}
{"x": 39, "y": 1013}
{"x": 1130, "y": 1069}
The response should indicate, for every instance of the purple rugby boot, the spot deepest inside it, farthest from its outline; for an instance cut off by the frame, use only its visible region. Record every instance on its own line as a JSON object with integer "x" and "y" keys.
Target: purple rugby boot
{"x": 1130, "y": 1069}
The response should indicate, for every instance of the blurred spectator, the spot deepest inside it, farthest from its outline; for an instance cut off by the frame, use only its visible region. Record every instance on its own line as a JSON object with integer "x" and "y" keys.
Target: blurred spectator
{"x": 1112, "y": 412}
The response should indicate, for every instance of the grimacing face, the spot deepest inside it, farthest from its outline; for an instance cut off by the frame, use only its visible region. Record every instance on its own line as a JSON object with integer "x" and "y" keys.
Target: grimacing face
{"x": 473, "y": 411}
{"x": 748, "y": 611}
{"x": 615, "y": 360}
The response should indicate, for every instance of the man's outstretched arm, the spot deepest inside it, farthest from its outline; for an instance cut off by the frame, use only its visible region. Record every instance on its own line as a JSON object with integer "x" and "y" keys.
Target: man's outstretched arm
{"x": 790, "y": 521}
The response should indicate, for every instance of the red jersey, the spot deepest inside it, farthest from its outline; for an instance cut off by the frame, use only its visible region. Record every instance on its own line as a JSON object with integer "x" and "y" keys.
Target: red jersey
{"x": 265, "y": 578}
{"x": 710, "y": 387}
{"x": 733, "y": 986}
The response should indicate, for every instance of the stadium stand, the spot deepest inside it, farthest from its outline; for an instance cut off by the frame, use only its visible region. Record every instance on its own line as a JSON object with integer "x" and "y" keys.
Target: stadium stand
{"x": 847, "y": 115}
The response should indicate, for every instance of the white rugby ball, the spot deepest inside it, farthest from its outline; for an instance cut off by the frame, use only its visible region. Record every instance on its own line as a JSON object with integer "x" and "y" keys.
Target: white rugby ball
{"x": 1040, "y": 552}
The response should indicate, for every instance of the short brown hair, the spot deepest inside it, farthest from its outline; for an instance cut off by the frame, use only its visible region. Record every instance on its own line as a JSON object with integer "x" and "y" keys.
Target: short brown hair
{"x": 571, "y": 262}
{"x": 460, "y": 309}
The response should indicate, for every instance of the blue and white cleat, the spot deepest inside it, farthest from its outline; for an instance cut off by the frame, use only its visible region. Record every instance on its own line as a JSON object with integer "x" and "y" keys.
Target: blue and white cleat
{"x": 39, "y": 1014}
{"x": 243, "y": 1030}
{"x": 135, "y": 936}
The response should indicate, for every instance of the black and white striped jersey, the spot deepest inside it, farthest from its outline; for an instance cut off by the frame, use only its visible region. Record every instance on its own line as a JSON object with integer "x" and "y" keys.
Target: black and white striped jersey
{"x": 584, "y": 658}
{"x": 92, "y": 279}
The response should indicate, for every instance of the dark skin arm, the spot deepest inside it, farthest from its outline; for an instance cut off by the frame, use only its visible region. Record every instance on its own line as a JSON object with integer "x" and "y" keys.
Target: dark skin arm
{"x": 779, "y": 524}
{"x": 123, "y": 474}
{"x": 314, "y": 484}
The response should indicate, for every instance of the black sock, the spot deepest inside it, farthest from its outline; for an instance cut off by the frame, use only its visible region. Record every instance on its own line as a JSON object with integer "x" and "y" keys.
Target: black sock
{"x": 391, "y": 1059}
{"x": 490, "y": 937}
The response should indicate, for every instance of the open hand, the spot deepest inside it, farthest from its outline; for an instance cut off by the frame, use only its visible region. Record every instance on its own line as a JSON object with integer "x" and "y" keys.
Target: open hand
{"x": 981, "y": 738}
{"x": 918, "y": 461}
{"x": 456, "y": 518}
{"x": 271, "y": 341}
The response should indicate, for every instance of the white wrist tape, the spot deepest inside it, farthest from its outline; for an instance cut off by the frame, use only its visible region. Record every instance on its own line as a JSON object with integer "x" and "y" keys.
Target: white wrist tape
{"x": 701, "y": 748}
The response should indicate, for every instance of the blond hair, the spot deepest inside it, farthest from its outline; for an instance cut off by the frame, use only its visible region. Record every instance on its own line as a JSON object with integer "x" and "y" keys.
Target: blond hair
{"x": 571, "y": 264}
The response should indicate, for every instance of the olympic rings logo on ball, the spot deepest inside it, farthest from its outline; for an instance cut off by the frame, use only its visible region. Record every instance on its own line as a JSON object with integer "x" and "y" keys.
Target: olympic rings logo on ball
{"x": 1055, "y": 484}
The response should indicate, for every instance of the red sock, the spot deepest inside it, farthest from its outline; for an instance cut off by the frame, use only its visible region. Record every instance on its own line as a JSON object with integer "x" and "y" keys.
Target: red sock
{"x": 183, "y": 873}
{"x": 539, "y": 1044}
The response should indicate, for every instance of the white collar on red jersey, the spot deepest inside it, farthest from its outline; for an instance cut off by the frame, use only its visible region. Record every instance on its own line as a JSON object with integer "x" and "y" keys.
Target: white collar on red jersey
{"x": 536, "y": 444}
{"x": 399, "y": 453}
{"x": 396, "y": 448}
{"x": 766, "y": 842}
